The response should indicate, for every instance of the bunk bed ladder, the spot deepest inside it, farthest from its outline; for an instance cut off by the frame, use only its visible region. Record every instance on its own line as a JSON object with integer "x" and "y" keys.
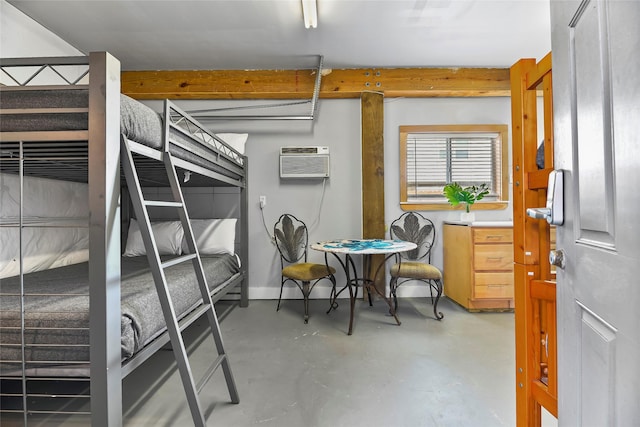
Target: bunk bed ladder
{"x": 157, "y": 267}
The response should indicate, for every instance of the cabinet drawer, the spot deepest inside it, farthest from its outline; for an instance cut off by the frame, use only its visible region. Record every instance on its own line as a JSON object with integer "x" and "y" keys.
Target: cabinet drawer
{"x": 493, "y": 257}
{"x": 493, "y": 291}
{"x": 493, "y": 235}
{"x": 493, "y": 285}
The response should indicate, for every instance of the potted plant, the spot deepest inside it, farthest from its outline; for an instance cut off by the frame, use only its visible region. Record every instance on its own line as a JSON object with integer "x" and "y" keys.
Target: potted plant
{"x": 457, "y": 194}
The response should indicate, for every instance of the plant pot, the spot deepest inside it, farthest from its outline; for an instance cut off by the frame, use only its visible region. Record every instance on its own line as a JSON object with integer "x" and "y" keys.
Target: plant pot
{"x": 467, "y": 216}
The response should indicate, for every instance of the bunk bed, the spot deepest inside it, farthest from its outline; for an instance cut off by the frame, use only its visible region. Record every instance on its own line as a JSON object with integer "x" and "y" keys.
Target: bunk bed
{"x": 80, "y": 132}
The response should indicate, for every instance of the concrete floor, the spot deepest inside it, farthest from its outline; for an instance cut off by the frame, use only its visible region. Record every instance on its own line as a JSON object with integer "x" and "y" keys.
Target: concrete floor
{"x": 454, "y": 372}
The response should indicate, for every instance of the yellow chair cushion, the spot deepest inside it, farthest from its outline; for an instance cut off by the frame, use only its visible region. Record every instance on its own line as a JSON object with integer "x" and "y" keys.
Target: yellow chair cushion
{"x": 416, "y": 270}
{"x": 307, "y": 271}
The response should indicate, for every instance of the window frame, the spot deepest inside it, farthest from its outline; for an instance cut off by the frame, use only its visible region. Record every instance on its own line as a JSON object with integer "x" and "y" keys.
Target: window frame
{"x": 503, "y": 188}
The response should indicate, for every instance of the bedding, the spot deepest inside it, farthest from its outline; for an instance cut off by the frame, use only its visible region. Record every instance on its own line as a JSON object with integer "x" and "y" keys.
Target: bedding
{"x": 44, "y": 202}
{"x": 237, "y": 141}
{"x": 168, "y": 236}
{"x": 213, "y": 236}
{"x": 138, "y": 122}
{"x": 58, "y": 301}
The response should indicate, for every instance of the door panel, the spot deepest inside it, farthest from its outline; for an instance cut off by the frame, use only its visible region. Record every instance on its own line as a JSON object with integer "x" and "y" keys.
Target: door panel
{"x": 594, "y": 162}
{"x": 596, "y": 113}
{"x": 597, "y": 341}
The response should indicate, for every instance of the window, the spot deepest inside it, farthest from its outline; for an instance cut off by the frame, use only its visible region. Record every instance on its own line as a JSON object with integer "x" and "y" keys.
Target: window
{"x": 432, "y": 156}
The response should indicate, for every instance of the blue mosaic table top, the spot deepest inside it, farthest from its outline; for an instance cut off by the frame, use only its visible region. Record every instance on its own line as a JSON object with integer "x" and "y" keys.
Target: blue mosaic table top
{"x": 364, "y": 246}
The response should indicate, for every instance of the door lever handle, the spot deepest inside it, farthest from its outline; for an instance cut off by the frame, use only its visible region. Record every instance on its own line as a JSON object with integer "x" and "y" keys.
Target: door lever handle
{"x": 554, "y": 210}
{"x": 539, "y": 213}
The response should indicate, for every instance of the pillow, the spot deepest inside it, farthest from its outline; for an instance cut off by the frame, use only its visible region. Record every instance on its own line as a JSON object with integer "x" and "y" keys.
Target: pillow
{"x": 235, "y": 140}
{"x": 213, "y": 236}
{"x": 168, "y": 235}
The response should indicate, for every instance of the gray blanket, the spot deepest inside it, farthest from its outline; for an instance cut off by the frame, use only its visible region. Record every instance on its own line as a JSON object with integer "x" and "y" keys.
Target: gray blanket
{"x": 57, "y": 308}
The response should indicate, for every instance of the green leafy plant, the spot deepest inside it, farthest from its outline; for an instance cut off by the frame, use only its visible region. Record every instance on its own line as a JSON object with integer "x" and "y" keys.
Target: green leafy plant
{"x": 456, "y": 194}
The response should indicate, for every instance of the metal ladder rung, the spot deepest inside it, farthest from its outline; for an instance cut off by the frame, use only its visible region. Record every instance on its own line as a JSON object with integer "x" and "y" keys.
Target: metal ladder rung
{"x": 207, "y": 376}
{"x": 177, "y": 260}
{"x": 162, "y": 203}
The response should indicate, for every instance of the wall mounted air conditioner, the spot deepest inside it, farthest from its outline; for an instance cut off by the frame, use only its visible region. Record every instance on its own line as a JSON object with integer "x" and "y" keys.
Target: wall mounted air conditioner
{"x": 304, "y": 162}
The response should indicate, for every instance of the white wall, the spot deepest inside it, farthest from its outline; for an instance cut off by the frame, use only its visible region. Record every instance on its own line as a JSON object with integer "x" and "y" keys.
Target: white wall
{"x": 431, "y": 111}
{"x": 331, "y": 212}
{"x": 20, "y": 36}
{"x": 337, "y": 126}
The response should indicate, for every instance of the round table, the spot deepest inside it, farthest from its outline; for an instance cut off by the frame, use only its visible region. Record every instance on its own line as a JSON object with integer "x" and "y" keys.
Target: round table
{"x": 366, "y": 248}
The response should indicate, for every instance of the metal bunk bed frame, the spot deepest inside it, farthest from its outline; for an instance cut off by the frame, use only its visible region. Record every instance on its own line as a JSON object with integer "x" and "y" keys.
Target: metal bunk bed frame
{"x": 104, "y": 155}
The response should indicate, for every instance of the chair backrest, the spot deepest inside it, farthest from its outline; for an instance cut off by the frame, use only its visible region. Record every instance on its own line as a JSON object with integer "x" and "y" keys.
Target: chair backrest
{"x": 291, "y": 238}
{"x": 413, "y": 227}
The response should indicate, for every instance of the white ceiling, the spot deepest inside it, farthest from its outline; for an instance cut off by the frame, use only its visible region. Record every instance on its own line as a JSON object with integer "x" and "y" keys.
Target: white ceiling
{"x": 270, "y": 34}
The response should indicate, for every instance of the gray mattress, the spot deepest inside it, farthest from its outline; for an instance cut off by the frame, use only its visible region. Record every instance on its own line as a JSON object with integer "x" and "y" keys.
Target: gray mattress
{"x": 138, "y": 122}
{"x": 60, "y": 322}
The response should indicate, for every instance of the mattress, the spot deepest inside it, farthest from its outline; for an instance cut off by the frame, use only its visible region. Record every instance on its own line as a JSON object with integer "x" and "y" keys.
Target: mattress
{"x": 66, "y": 110}
{"x": 57, "y": 309}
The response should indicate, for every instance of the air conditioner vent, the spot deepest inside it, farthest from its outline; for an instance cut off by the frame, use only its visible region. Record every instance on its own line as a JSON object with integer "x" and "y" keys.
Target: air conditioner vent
{"x": 304, "y": 150}
{"x": 304, "y": 162}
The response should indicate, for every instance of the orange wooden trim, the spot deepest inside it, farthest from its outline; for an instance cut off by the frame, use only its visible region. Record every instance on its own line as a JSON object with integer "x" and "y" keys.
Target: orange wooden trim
{"x": 533, "y": 334}
{"x": 541, "y": 395}
{"x": 538, "y": 179}
{"x": 444, "y": 206}
{"x": 521, "y": 102}
{"x": 548, "y": 120}
{"x": 543, "y": 290}
{"x": 544, "y": 243}
{"x": 534, "y": 297}
{"x": 552, "y": 360}
{"x": 526, "y": 412}
{"x": 299, "y": 84}
{"x": 536, "y": 74}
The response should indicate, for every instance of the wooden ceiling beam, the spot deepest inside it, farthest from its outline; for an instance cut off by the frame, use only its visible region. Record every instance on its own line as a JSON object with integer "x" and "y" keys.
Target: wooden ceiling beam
{"x": 298, "y": 84}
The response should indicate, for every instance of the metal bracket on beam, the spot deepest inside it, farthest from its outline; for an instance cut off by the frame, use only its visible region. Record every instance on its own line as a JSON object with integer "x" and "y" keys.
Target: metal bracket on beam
{"x": 210, "y": 113}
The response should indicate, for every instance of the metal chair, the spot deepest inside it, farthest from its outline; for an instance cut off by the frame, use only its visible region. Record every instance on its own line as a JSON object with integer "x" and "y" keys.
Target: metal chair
{"x": 415, "y": 264}
{"x": 292, "y": 238}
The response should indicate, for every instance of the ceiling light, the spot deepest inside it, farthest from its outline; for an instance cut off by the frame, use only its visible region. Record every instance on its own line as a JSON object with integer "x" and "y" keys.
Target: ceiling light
{"x": 310, "y": 13}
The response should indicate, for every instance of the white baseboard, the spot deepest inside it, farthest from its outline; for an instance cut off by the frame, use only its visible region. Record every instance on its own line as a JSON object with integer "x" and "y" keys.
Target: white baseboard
{"x": 322, "y": 292}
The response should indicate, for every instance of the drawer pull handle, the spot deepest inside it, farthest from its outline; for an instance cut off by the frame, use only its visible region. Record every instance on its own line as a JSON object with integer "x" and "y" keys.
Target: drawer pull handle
{"x": 498, "y": 285}
{"x": 494, "y": 259}
{"x": 494, "y": 237}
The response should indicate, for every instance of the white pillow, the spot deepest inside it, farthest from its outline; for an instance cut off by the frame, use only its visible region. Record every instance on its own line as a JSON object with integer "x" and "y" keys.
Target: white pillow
{"x": 168, "y": 235}
{"x": 43, "y": 248}
{"x": 213, "y": 236}
{"x": 235, "y": 140}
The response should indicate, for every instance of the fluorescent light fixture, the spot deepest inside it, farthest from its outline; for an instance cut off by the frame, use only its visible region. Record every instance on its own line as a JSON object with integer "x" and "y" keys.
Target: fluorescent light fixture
{"x": 310, "y": 13}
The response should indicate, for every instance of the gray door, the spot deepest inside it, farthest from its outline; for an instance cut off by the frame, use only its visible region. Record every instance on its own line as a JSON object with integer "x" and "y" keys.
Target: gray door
{"x": 596, "y": 92}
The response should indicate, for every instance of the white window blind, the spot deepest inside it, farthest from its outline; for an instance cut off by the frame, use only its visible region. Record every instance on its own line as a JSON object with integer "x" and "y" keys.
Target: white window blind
{"x": 433, "y": 160}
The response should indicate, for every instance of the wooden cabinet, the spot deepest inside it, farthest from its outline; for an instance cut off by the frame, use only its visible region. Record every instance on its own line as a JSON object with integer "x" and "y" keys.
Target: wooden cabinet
{"x": 478, "y": 266}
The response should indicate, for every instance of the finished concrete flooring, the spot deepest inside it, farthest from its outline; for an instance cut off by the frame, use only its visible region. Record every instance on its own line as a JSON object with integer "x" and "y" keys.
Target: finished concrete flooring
{"x": 454, "y": 372}
{"x": 425, "y": 373}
